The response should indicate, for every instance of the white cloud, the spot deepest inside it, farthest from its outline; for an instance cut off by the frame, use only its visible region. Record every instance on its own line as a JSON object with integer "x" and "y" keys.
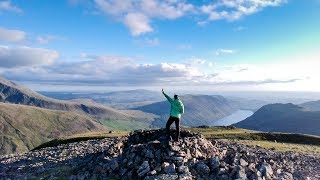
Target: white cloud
{"x": 11, "y": 57}
{"x": 112, "y": 71}
{"x": 120, "y": 71}
{"x": 137, "y": 15}
{"x": 225, "y": 51}
{"x": 12, "y": 35}
{"x": 235, "y": 9}
{"x": 7, "y": 6}
{"x": 108, "y": 71}
{"x": 137, "y": 23}
{"x": 48, "y": 38}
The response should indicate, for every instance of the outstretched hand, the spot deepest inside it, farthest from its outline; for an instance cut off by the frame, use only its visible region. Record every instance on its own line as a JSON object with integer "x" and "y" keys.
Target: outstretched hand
{"x": 162, "y": 90}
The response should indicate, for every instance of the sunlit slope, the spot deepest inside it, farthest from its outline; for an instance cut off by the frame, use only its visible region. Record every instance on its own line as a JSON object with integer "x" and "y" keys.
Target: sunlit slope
{"x": 25, "y": 127}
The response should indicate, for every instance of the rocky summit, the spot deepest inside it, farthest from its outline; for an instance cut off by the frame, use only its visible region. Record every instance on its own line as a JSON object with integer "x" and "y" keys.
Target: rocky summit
{"x": 151, "y": 155}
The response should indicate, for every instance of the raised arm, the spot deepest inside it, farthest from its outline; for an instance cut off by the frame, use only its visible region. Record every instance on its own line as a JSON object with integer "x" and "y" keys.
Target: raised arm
{"x": 168, "y": 98}
{"x": 182, "y": 108}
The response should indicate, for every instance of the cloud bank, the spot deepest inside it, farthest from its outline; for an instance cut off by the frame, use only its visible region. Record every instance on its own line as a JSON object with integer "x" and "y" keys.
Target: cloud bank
{"x": 115, "y": 71}
{"x": 11, "y": 35}
{"x": 7, "y": 6}
{"x": 11, "y": 57}
{"x": 137, "y": 15}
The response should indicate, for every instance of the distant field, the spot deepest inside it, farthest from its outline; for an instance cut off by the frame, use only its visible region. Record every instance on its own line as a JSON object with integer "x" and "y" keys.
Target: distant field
{"x": 275, "y": 141}
{"x": 308, "y": 144}
{"x": 124, "y": 125}
{"x": 303, "y": 148}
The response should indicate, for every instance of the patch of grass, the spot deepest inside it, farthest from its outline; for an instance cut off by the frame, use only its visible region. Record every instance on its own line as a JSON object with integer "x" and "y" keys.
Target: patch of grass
{"x": 125, "y": 124}
{"x": 81, "y": 137}
{"x": 221, "y": 132}
{"x": 302, "y": 148}
{"x": 302, "y": 143}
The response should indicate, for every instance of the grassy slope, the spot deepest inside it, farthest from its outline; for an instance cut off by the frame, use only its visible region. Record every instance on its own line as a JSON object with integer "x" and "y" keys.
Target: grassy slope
{"x": 309, "y": 144}
{"x": 24, "y": 127}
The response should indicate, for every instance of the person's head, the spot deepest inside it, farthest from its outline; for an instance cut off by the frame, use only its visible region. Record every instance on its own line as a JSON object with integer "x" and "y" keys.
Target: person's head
{"x": 176, "y": 96}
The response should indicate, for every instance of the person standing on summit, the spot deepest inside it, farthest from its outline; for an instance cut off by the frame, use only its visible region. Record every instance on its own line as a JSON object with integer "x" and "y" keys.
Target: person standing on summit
{"x": 177, "y": 109}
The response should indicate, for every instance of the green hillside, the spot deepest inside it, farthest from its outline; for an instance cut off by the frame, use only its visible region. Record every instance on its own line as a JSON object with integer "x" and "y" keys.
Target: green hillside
{"x": 25, "y": 127}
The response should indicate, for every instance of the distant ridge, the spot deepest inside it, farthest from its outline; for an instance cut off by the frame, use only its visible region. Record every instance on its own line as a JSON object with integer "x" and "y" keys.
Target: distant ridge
{"x": 288, "y": 118}
{"x": 311, "y": 105}
{"x": 199, "y": 110}
{"x": 11, "y": 92}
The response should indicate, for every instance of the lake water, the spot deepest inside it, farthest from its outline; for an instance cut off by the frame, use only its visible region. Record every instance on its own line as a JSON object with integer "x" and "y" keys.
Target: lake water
{"x": 233, "y": 118}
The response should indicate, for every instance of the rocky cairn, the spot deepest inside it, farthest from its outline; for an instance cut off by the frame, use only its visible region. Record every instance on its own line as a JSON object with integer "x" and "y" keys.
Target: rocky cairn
{"x": 150, "y": 155}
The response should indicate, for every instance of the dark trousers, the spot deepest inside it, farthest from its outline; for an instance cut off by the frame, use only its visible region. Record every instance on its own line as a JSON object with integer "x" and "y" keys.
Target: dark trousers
{"x": 177, "y": 122}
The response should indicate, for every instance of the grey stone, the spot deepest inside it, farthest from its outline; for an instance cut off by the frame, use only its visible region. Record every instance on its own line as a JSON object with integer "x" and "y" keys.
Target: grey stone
{"x": 198, "y": 154}
{"x": 243, "y": 163}
{"x": 114, "y": 164}
{"x": 177, "y": 158}
{"x": 153, "y": 172}
{"x": 183, "y": 169}
{"x": 143, "y": 169}
{"x": 185, "y": 177}
{"x": 202, "y": 169}
{"x": 165, "y": 164}
{"x": 158, "y": 167}
{"x": 241, "y": 174}
{"x": 149, "y": 178}
{"x": 175, "y": 148}
{"x": 167, "y": 177}
{"x": 285, "y": 176}
{"x": 266, "y": 170}
{"x": 171, "y": 169}
{"x": 214, "y": 163}
{"x": 222, "y": 171}
{"x": 252, "y": 167}
{"x": 149, "y": 154}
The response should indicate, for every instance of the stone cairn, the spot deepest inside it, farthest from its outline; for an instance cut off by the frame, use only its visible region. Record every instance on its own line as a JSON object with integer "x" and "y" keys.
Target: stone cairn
{"x": 150, "y": 155}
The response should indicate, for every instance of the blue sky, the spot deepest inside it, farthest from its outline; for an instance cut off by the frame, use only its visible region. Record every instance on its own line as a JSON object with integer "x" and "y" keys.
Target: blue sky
{"x": 104, "y": 44}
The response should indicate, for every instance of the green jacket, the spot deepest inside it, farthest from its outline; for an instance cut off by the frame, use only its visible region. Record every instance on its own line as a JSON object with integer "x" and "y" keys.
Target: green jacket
{"x": 177, "y": 108}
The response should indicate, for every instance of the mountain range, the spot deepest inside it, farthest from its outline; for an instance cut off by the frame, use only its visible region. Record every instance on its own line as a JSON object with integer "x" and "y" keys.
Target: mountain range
{"x": 199, "y": 110}
{"x": 29, "y": 119}
{"x": 118, "y": 99}
{"x": 288, "y": 118}
{"x": 311, "y": 105}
